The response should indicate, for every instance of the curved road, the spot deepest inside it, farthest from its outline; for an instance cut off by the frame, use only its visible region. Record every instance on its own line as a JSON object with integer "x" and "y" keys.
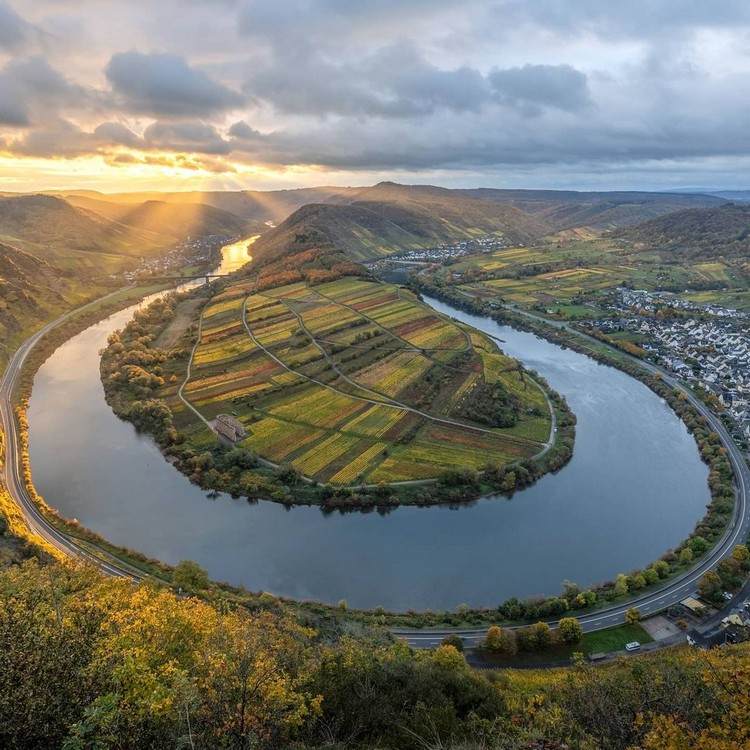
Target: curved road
{"x": 11, "y": 472}
{"x": 675, "y": 590}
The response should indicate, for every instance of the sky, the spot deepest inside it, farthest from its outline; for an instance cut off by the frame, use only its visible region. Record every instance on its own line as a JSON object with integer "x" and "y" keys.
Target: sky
{"x": 119, "y": 95}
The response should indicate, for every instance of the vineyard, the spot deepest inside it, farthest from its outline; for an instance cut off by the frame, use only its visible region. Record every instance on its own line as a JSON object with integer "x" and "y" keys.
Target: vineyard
{"x": 353, "y": 382}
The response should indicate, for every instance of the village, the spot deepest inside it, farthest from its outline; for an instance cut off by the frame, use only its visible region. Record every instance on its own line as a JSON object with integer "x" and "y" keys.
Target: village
{"x": 705, "y": 345}
{"x": 193, "y": 251}
{"x": 441, "y": 253}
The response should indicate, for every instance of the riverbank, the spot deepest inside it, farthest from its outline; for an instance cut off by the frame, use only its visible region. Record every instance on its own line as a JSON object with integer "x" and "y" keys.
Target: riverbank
{"x": 713, "y": 528}
{"x": 251, "y": 526}
{"x": 241, "y": 516}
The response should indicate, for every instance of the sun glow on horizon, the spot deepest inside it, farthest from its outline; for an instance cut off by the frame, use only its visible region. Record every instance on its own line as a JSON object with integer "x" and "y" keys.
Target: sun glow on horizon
{"x": 134, "y": 171}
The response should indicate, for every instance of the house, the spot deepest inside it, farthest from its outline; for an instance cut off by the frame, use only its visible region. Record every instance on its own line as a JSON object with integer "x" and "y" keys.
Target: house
{"x": 230, "y": 428}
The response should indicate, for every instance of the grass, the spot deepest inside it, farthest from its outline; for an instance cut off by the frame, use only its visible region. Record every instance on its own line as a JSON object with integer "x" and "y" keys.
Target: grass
{"x": 613, "y": 639}
{"x": 596, "y": 642}
{"x": 359, "y": 359}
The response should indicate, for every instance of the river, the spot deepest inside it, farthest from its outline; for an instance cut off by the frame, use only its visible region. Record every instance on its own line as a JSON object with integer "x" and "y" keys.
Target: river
{"x": 635, "y": 487}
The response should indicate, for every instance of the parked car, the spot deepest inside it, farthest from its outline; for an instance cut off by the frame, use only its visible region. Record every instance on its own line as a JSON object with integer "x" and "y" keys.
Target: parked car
{"x": 632, "y": 646}
{"x": 727, "y": 596}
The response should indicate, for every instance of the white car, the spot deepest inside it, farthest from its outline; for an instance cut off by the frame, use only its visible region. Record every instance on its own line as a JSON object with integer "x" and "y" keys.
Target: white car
{"x": 632, "y": 646}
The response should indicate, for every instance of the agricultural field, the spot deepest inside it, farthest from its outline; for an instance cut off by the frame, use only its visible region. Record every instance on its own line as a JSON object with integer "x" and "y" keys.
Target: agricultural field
{"x": 567, "y": 276}
{"x": 357, "y": 382}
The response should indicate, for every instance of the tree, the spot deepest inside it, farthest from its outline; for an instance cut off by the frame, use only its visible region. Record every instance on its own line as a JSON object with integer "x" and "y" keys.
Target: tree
{"x": 501, "y": 641}
{"x": 586, "y": 599}
{"x": 189, "y": 576}
{"x": 570, "y": 630}
{"x": 651, "y": 575}
{"x": 632, "y": 616}
{"x": 741, "y": 554}
{"x": 686, "y": 555}
{"x": 699, "y": 545}
{"x": 662, "y": 568}
{"x": 710, "y": 586}
{"x": 542, "y": 635}
{"x": 454, "y": 640}
{"x": 621, "y": 585}
{"x": 493, "y": 638}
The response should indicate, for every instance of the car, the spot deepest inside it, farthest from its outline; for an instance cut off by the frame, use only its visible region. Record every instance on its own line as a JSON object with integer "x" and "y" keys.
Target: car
{"x": 632, "y": 646}
{"x": 727, "y": 596}
{"x": 691, "y": 640}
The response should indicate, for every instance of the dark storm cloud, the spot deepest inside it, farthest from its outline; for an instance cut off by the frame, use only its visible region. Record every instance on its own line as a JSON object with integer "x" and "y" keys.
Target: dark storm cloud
{"x": 164, "y": 85}
{"x": 559, "y": 86}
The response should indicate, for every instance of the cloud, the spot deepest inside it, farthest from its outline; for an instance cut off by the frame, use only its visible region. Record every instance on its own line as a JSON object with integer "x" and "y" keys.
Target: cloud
{"x": 32, "y": 90}
{"x": 533, "y": 86}
{"x": 393, "y": 81}
{"x": 164, "y": 85}
{"x": 197, "y": 137}
{"x": 475, "y": 87}
{"x": 14, "y": 31}
{"x": 115, "y": 133}
{"x": 637, "y": 19}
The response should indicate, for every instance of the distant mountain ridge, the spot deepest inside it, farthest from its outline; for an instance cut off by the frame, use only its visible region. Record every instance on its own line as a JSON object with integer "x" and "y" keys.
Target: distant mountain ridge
{"x": 388, "y": 217}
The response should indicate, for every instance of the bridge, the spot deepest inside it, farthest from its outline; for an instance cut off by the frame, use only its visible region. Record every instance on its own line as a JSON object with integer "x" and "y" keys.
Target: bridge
{"x": 181, "y": 278}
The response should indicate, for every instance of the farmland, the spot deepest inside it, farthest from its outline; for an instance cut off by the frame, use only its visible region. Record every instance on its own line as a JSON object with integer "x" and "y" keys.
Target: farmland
{"x": 355, "y": 382}
{"x": 568, "y": 276}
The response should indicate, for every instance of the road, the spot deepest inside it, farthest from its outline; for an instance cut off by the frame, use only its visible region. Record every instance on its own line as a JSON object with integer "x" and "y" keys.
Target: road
{"x": 672, "y": 592}
{"x": 11, "y": 473}
{"x": 675, "y": 589}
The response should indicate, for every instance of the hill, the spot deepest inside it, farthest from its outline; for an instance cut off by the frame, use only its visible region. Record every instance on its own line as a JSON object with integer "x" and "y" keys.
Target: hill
{"x": 163, "y": 222}
{"x": 568, "y": 209}
{"x": 30, "y": 290}
{"x": 97, "y": 238}
{"x": 252, "y": 205}
{"x": 708, "y": 233}
{"x": 389, "y": 218}
{"x": 37, "y": 222}
{"x": 370, "y": 222}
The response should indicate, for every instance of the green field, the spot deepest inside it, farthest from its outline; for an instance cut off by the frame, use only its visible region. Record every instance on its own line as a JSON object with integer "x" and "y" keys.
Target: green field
{"x": 355, "y": 381}
{"x": 568, "y": 277}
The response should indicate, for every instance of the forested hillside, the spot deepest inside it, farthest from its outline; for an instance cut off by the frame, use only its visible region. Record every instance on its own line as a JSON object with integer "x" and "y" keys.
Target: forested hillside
{"x": 94, "y": 662}
{"x": 50, "y": 226}
{"x": 723, "y": 231}
{"x": 392, "y": 218}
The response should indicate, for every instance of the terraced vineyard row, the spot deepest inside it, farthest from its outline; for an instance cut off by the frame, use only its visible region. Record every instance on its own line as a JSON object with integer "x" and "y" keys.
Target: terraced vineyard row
{"x": 355, "y": 381}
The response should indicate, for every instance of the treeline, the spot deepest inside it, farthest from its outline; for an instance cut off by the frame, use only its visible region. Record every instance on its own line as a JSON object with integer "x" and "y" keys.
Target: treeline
{"x": 316, "y": 264}
{"x": 92, "y": 662}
